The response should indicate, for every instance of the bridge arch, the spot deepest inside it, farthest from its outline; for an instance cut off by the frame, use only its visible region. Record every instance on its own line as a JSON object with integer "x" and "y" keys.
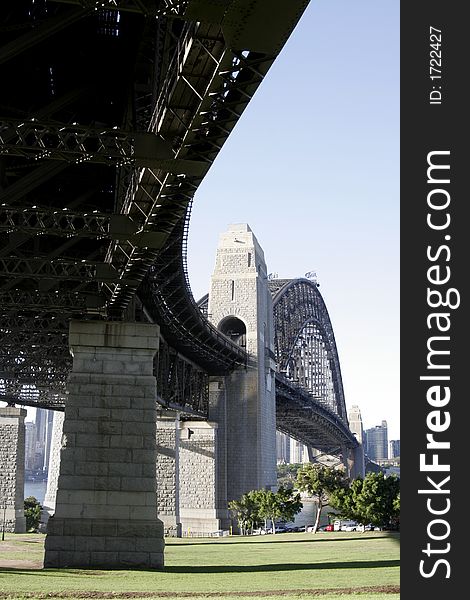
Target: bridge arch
{"x": 299, "y": 313}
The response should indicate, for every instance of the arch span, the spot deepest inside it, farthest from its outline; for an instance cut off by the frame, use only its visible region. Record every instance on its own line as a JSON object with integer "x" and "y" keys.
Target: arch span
{"x": 304, "y": 341}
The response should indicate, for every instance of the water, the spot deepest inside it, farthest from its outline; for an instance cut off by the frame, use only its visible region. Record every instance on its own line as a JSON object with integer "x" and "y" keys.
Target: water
{"x": 308, "y": 513}
{"x": 36, "y": 489}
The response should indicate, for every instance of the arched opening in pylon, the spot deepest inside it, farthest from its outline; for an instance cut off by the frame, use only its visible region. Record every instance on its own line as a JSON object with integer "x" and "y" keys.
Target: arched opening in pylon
{"x": 235, "y": 329}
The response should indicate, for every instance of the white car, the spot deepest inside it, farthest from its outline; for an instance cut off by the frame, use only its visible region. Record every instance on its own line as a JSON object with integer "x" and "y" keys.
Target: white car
{"x": 349, "y": 526}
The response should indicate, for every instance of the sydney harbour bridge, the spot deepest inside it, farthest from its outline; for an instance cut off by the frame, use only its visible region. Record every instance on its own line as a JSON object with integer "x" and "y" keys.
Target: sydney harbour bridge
{"x": 111, "y": 115}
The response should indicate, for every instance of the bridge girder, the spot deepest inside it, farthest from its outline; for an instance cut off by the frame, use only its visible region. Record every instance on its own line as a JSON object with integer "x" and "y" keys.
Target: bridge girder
{"x": 298, "y": 305}
{"x": 132, "y": 101}
{"x": 304, "y": 414}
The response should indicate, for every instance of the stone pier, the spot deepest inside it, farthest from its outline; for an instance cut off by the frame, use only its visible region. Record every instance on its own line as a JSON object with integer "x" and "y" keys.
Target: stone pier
{"x": 105, "y": 513}
{"x": 168, "y": 440}
{"x": 198, "y": 484}
{"x": 12, "y": 455}
{"x": 357, "y": 462}
{"x": 218, "y": 414}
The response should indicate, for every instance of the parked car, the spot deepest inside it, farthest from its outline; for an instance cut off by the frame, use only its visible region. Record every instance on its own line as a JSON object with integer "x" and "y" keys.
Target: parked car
{"x": 261, "y": 531}
{"x": 348, "y": 526}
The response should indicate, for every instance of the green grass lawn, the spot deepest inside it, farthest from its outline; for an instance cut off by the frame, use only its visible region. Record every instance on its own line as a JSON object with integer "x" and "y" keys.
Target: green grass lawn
{"x": 277, "y": 567}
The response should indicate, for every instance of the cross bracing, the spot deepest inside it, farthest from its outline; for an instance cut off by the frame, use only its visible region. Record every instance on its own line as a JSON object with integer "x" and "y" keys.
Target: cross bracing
{"x": 111, "y": 114}
{"x": 300, "y": 314}
{"x": 310, "y": 405}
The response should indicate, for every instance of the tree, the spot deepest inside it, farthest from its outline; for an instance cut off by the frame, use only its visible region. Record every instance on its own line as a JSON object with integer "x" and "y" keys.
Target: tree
{"x": 287, "y": 473}
{"x": 374, "y": 499}
{"x": 258, "y": 505}
{"x": 32, "y": 512}
{"x": 319, "y": 482}
{"x": 283, "y": 504}
{"x": 261, "y": 499}
{"x": 289, "y": 503}
{"x": 246, "y": 511}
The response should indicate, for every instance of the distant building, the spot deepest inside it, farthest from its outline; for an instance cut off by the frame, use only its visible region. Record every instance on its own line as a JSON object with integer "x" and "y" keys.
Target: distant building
{"x": 394, "y": 449}
{"x": 298, "y": 452}
{"x": 376, "y": 442}
{"x": 30, "y": 446}
{"x": 44, "y": 420}
{"x": 282, "y": 447}
{"x": 355, "y": 423}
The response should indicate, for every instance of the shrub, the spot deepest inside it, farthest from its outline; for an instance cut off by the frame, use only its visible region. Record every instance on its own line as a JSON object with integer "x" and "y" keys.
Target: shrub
{"x": 32, "y": 512}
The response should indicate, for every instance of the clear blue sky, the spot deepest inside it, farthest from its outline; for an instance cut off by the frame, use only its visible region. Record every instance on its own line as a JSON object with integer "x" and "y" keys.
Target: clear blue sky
{"x": 313, "y": 168}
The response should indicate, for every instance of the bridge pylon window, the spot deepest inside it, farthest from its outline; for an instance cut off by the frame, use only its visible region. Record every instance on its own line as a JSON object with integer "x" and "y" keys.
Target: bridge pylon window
{"x": 235, "y": 329}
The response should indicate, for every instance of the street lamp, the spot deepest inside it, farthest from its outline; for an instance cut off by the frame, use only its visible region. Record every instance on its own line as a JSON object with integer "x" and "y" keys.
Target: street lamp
{"x": 4, "y": 518}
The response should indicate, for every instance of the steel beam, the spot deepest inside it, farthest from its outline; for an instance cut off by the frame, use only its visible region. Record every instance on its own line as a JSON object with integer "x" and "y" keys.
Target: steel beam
{"x": 75, "y": 144}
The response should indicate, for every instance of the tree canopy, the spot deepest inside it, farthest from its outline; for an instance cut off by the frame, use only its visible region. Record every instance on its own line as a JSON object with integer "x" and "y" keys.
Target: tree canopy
{"x": 258, "y": 505}
{"x": 287, "y": 474}
{"x": 374, "y": 499}
{"x": 32, "y": 512}
{"x": 320, "y": 482}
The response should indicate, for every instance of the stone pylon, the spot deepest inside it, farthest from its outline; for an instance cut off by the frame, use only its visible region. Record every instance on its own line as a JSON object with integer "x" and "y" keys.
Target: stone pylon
{"x": 12, "y": 455}
{"x": 168, "y": 472}
{"x": 106, "y": 508}
{"x": 244, "y": 405}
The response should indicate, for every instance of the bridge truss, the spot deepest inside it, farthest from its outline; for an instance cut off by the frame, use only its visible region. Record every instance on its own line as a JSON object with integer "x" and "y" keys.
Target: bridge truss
{"x": 112, "y": 112}
{"x": 310, "y": 404}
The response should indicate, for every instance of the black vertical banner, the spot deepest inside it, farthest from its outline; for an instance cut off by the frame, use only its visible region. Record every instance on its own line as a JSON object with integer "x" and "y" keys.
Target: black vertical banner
{"x": 435, "y": 240}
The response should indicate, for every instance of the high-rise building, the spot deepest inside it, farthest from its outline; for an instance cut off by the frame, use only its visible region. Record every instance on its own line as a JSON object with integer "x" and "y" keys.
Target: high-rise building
{"x": 377, "y": 442}
{"x": 282, "y": 447}
{"x": 394, "y": 449}
{"x": 355, "y": 423}
{"x": 44, "y": 419}
{"x": 30, "y": 446}
{"x": 298, "y": 452}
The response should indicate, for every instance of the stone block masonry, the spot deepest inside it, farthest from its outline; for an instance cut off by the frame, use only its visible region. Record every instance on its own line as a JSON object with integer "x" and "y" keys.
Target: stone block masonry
{"x": 198, "y": 485}
{"x": 106, "y": 512}
{"x": 12, "y": 456}
{"x": 239, "y": 296}
{"x": 167, "y": 472}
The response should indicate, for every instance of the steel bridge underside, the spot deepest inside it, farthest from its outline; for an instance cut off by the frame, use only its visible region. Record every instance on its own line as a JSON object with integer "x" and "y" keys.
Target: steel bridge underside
{"x": 112, "y": 113}
{"x": 307, "y": 421}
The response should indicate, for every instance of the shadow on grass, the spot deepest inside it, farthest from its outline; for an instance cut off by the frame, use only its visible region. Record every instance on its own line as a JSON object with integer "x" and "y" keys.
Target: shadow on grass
{"x": 366, "y": 564}
{"x": 188, "y": 569}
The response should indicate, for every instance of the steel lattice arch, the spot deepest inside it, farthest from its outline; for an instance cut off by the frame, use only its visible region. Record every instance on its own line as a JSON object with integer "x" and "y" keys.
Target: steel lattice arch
{"x": 310, "y": 404}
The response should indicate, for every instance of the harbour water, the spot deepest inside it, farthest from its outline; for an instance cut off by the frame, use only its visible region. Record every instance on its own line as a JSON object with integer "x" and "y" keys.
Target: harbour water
{"x": 36, "y": 489}
{"x": 306, "y": 516}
